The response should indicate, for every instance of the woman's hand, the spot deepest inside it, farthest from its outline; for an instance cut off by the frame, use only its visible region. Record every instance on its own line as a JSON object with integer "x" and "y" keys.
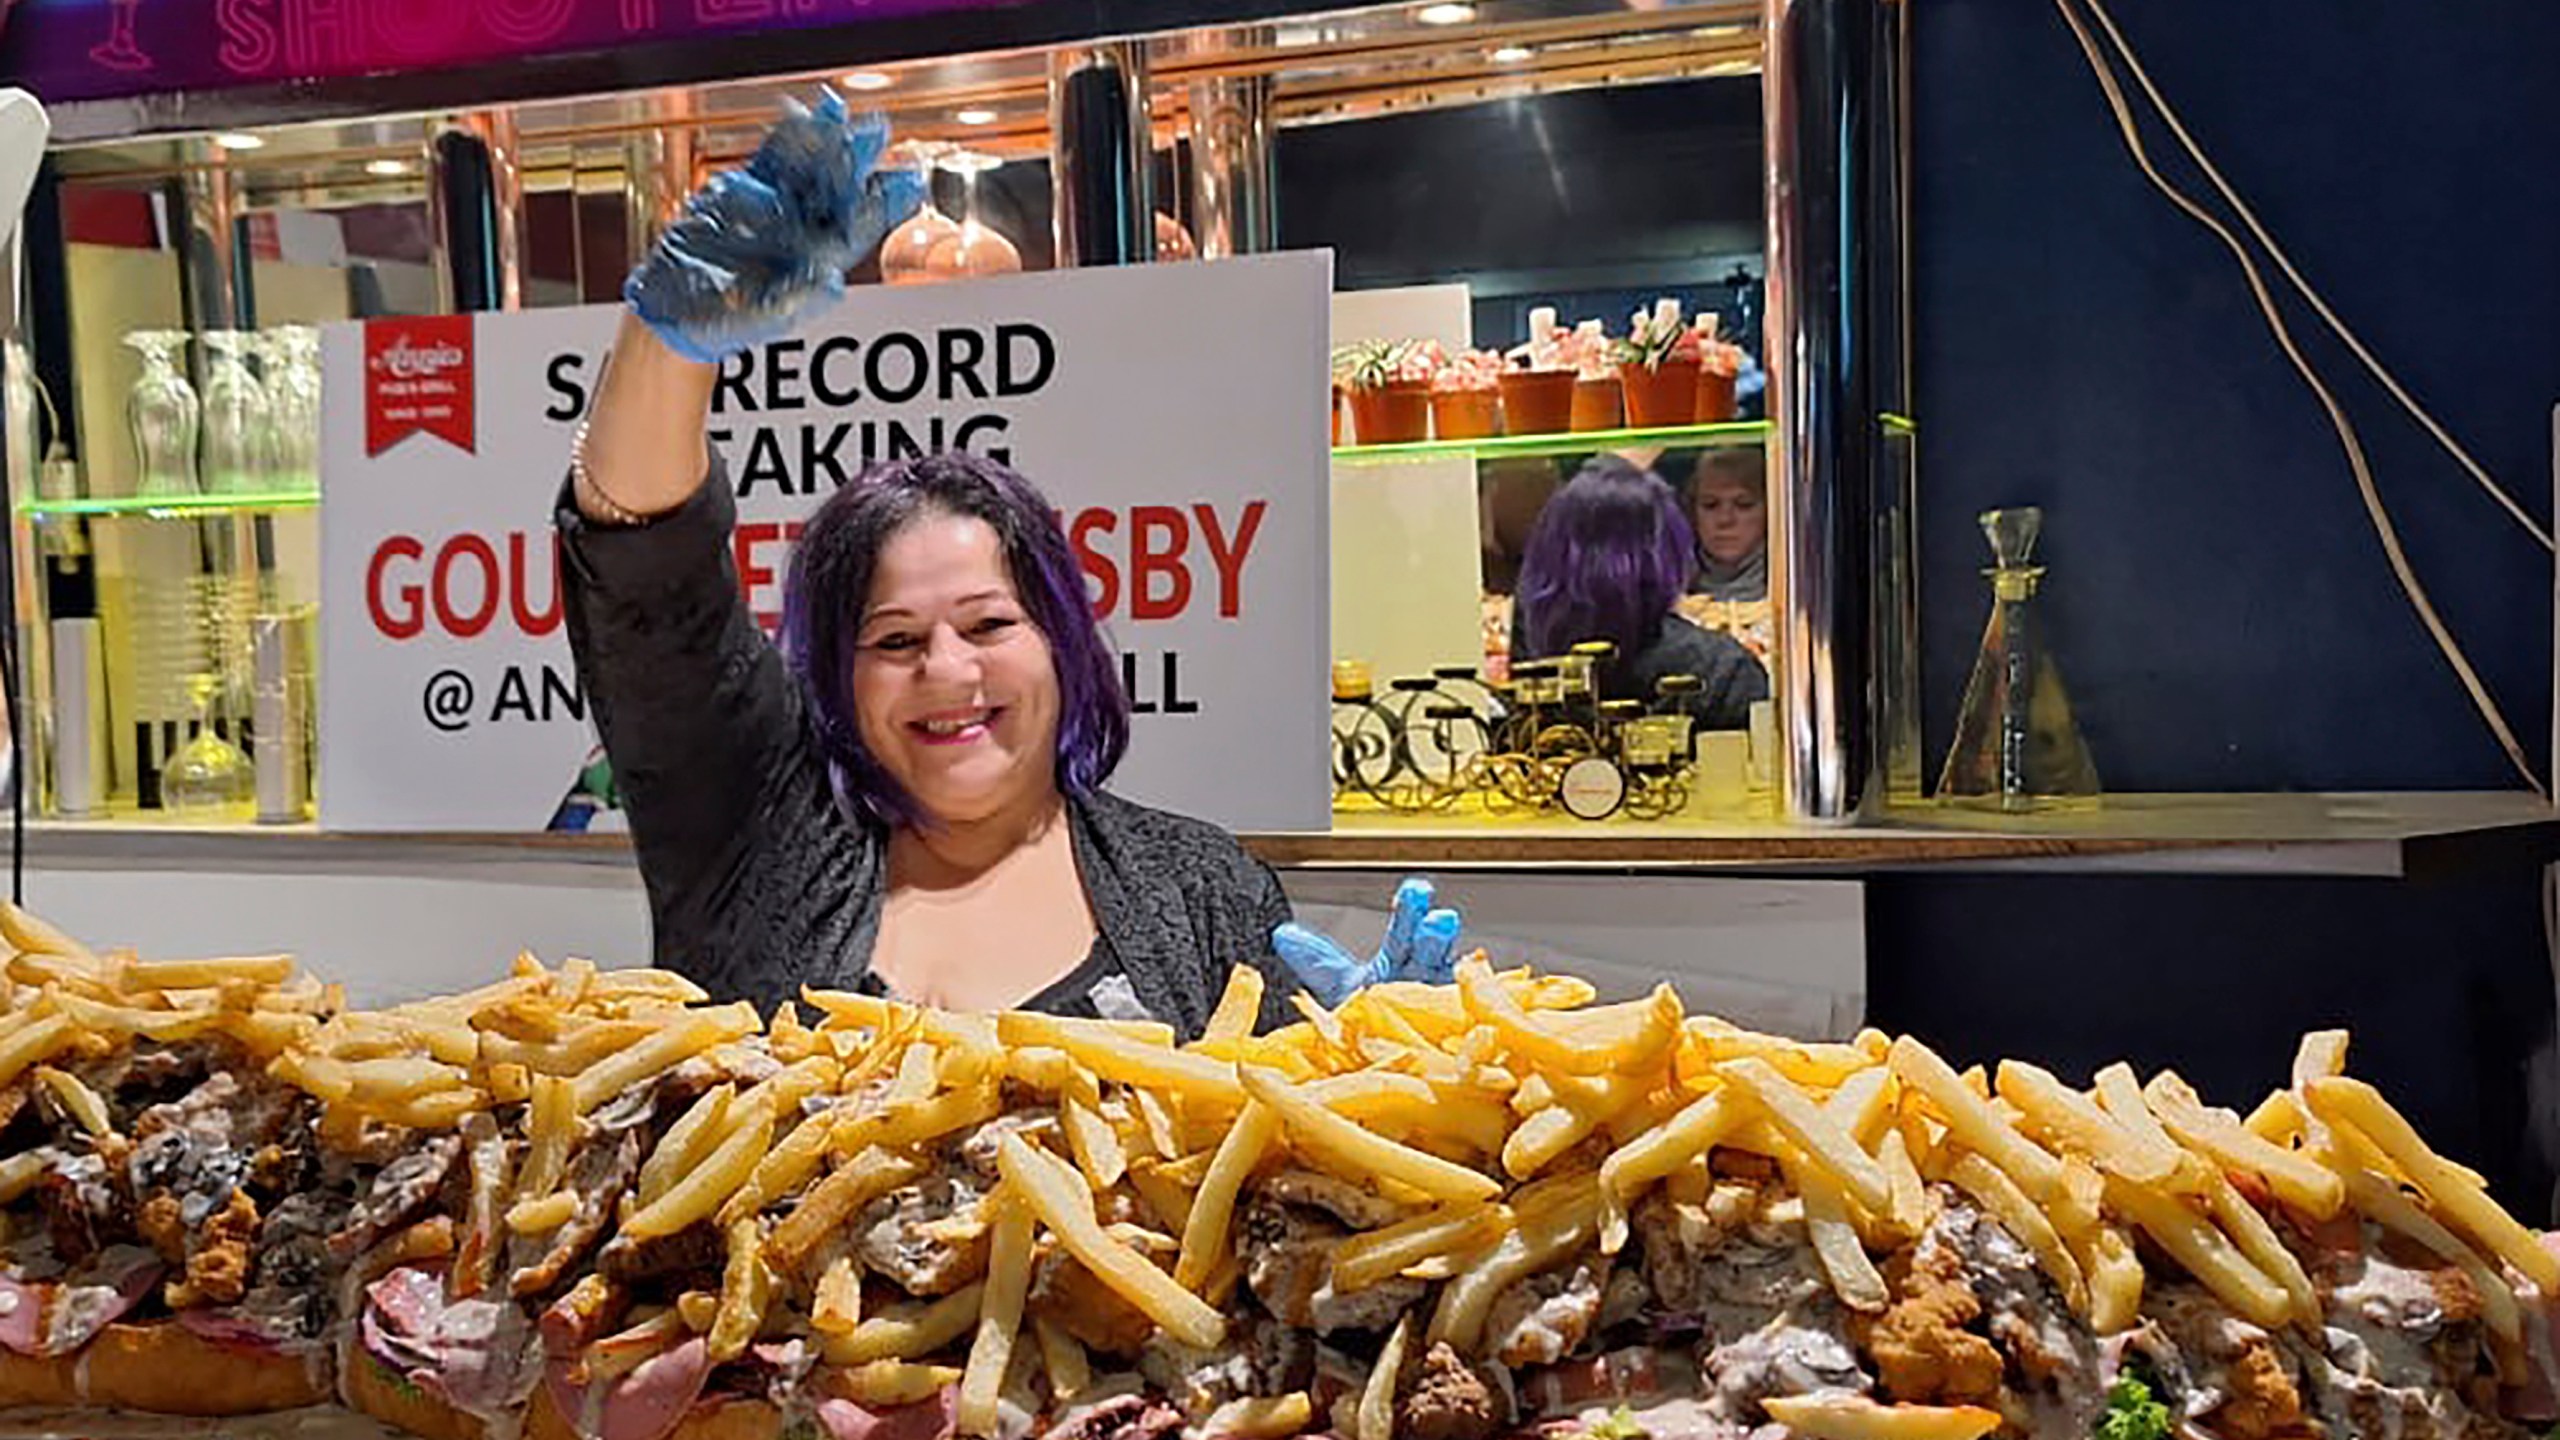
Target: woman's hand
{"x": 1421, "y": 945}
{"x": 759, "y": 249}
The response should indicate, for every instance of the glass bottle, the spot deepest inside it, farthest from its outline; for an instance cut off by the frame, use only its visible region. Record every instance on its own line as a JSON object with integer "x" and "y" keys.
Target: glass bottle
{"x": 2018, "y": 746}
{"x": 164, "y": 416}
{"x": 238, "y": 425}
{"x": 209, "y": 779}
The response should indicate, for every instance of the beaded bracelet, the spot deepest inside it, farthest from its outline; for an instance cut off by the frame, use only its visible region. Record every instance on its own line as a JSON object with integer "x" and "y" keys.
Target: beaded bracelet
{"x": 591, "y": 497}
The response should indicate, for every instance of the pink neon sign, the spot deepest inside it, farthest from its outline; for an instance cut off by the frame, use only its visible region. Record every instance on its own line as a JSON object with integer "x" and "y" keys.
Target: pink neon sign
{"x": 91, "y": 49}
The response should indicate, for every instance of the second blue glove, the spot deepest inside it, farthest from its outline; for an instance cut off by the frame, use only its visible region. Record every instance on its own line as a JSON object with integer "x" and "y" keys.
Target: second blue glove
{"x": 759, "y": 249}
{"x": 1420, "y": 945}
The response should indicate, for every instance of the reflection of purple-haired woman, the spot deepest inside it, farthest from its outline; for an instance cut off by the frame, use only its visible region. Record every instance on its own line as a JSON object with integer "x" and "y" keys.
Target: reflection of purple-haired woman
{"x": 1610, "y": 558}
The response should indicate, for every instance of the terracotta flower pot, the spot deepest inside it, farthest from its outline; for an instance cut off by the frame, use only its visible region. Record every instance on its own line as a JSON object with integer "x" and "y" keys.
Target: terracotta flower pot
{"x": 1396, "y": 413}
{"x": 1337, "y": 416}
{"x": 1715, "y": 397}
{"x": 1466, "y": 414}
{"x": 1537, "y": 402}
{"x": 1599, "y": 404}
{"x": 1659, "y": 396}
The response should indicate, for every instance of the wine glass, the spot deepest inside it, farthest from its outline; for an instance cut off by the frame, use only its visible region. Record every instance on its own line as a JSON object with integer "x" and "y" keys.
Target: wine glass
{"x": 209, "y": 779}
{"x": 164, "y": 415}
{"x": 238, "y": 450}
{"x": 287, "y": 354}
{"x": 905, "y": 255}
{"x": 974, "y": 249}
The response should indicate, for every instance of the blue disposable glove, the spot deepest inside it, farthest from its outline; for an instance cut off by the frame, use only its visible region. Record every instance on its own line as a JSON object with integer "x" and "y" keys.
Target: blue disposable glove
{"x": 760, "y": 249}
{"x": 1421, "y": 945}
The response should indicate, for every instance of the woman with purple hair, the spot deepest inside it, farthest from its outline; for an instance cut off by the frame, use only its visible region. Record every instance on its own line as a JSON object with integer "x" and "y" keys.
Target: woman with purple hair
{"x": 1609, "y": 559}
{"x": 905, "y": 796}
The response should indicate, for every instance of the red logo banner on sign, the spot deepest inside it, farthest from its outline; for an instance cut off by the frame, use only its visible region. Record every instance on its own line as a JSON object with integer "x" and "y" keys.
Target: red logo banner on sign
{"x": 418, "y": 380}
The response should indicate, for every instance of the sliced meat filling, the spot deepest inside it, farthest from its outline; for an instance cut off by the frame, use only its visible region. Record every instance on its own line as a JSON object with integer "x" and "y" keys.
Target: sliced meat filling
{"x": 397, "y": 1194}
{"x": 606, "y": 1166}
{"x": 929, "y": 1237}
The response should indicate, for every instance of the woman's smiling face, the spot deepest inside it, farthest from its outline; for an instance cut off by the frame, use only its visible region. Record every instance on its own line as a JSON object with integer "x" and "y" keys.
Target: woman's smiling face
{"x": 955, "y": 689}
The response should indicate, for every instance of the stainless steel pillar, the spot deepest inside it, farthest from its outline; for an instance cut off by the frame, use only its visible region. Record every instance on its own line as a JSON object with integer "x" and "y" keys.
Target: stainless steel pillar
{"x": 209, "y": 242}
{"x": 477, "y": 200}
{"x": 1102, "y": 155}
{"x": 1820, "y": 398}
{"x": 1232, "y": 191}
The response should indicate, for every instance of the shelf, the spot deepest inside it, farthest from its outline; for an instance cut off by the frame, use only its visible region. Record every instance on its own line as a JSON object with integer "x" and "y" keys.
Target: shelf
{"x": 2381, "y": 835}
{"x": 1678, "y": 437}
{"x": 2372, "y": 835}
{"x": 168, "y": 507}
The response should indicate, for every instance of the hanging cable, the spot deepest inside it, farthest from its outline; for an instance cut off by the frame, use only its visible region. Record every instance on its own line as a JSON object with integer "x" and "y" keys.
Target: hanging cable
{"x": 2375, "y": 511}
{"x": 2169, "y": 117}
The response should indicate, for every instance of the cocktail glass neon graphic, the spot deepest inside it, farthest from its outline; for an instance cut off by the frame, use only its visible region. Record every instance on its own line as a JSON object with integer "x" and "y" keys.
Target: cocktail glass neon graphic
{"x": 120, "y": 51}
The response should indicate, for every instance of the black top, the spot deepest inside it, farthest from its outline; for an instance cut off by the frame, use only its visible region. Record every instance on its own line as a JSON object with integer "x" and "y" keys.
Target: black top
{"x": 760, "y": 880}
{"x": 1731, "y": 678}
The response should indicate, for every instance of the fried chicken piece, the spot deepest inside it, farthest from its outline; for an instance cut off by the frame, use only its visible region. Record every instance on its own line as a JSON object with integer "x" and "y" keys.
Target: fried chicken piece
{"x": 162, "y": 1225}
{"x": 2264, "y": 1402}
{"x": 218, "y": 1258}
{"x": 1922, "y": 1350}
{"x": 1445, "y": 1399}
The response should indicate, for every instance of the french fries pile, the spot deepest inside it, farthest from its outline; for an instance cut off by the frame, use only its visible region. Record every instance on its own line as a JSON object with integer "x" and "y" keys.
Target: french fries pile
{"x": 1508, "y": 1122}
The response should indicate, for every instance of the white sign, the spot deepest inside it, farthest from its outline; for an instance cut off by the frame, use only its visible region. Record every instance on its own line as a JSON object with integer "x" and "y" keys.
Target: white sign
{"x": 1175, "y": 414}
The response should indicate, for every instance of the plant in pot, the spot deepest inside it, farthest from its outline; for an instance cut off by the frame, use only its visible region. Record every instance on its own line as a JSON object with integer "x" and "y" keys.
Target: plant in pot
{"x": 1466, "y": 396}
{"x": 1659, "y": 363}
{"x": 1720, "y": 364}
{"x": 1599, "y": 395}
{"x": 1389, "y": 385}
{"x": 1537, "y": 391}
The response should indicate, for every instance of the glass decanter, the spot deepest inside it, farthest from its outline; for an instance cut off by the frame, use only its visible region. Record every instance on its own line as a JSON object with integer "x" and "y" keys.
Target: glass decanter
{"x": 905, "y": 257}
{"x": 2018, "y": 746}
{"x": 209, "y": 779}
{"x": 164, "y": 416}
{"x": 290, "y": 357}
{"x": 239, "y": 438}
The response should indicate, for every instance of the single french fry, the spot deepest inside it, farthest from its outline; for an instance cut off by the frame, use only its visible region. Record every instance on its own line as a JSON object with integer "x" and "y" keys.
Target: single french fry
{"x": 1451, "y": 1234}
{"x": 1115, "y": 1054}
{"x": 890, "y": 1384}
{"x": 906, "y": 1332}
{"x": 1095, "y": 1144}
{"x": 2000, "y": 1196}
{"x": 999, "y": 1315}
{"x": 552, "y": 1127}
{"x": 694, "y": 1135}
{"x": 1836, "y": 1245}
{"x": 2114, "y": 1270}
{"x": 1972, "y": 1121}
{"x": 1840, "y": 1416}
{"x": 2299, "y": 1180}
{"x": 721, "y": 1174}
{"x": 544, "y": 1215}
{"x": 20, "y": 1172}
{"x": 36, "y": 1041}
{"x": 1259, "y": 1417}
{"x": 2321, "y": 1054}
{"x": 1058, "y": 1195}
{"x": 577, "y": 1048}
{"x": 1239, "y": 1006}
{"x": 2258, "y": 1240}
{"x": 1527, "y": 1036}
{"x": 77, "y": 1100}
{"x": 835, "y": 1304}
{"x": 1374, "y": 1418}
{"x": 1206, "y": 1230}
{"x": 746, "y": 1290}
{"x": 1330, "y": 1136}
{"x": 1168, "y": 1197}
{"x": 662, "y": 1051}
{"x": 1062, "y": 1357}
{"x": 2208, "y": 1254}
{"x": 1561, "y": 1219}
{"x": 2120, "y": 1095}
{"x": 832, "y": 1203}
{"x": 1909, "y": 1213}
{"x": 31, "y": 934}
{"x": 2353, "y": 1104}
{"x": 1821, "y": 1138}
{"x": 2279, "y": 1119}
{"x": 257, "y": 970}
{"x": 2075, "y": 1122}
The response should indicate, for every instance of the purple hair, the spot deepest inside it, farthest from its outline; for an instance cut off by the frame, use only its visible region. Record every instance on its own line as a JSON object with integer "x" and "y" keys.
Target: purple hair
{"x": 830, "y": 584}
{"x": 1609, "y": 557}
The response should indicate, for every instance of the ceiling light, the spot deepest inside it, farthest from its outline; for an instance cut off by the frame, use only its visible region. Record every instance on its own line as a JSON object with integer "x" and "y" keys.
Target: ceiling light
{"x": 1512, "y": 55}
{"x": 236, "y": 141}
{"x": 386, "y": 168}
{"x": 1445, "y": 14}
{"x": 868, "y": 80}
{"x": 975, "y": 116}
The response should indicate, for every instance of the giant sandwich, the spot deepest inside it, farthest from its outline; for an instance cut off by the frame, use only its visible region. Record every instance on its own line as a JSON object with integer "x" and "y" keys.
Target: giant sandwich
{"x": 583, "y": 1203}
